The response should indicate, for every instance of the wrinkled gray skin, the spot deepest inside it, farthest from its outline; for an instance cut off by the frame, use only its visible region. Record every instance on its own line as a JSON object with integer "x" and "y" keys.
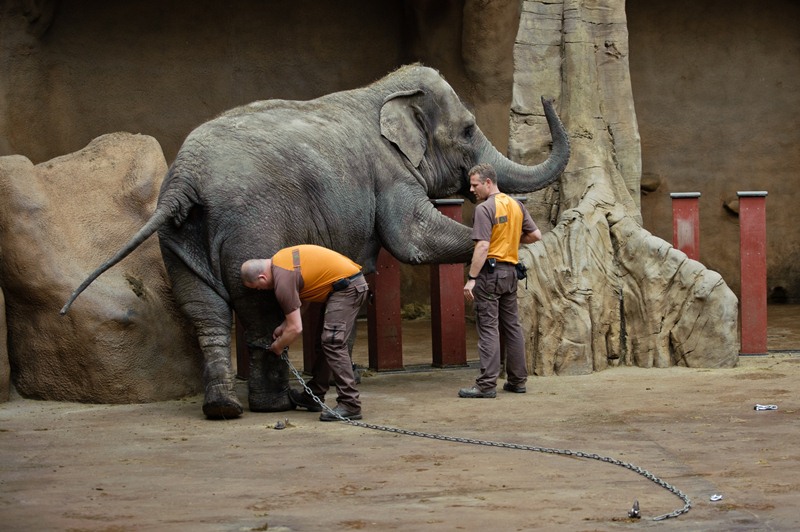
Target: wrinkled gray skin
{"x": 351, "y": 171}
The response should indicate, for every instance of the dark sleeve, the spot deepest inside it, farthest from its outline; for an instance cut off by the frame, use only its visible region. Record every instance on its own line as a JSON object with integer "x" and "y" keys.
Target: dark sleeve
{"x": 287, "y": 291}
{"x": 482, "y": 223}
{"x": 528, "y": 225}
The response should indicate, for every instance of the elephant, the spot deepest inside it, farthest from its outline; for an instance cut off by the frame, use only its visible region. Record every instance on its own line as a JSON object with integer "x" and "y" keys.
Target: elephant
{"x": 352, "y": 171}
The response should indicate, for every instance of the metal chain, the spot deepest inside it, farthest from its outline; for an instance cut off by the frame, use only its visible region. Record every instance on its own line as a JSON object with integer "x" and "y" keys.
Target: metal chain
{"x": 566, "y": 452}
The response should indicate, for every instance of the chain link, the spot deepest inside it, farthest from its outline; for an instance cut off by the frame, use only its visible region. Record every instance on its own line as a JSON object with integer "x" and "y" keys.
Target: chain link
{"x": 548, "y": 450}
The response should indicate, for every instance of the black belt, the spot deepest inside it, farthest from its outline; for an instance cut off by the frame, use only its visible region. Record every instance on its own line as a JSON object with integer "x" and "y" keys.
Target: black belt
{"x": 491, "y": 264}
{"x": 341, "y": 284}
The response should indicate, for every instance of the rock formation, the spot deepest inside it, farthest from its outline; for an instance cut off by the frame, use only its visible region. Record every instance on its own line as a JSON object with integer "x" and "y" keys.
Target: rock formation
{"x": 602, "y": 290}
{"x": 124, "y": 341}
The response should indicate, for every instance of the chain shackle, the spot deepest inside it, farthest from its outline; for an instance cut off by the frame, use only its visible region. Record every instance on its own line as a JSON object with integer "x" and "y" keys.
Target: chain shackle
{"x": 566, "y": 452}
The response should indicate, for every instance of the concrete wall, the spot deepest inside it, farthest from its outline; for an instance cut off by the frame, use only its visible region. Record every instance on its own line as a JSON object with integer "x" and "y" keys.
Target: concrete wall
{"x": 716, "y": 85}
{"x": 164, "y": 68}
{"x": 717, "y": 90}
{"x": 73, "y": 70}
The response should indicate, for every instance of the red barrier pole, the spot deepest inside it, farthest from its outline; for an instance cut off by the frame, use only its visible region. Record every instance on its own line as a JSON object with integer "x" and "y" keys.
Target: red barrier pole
{"x": 384, "y": 324}
{"x": 448, "y": 332}
{"x": 753, "y": 252}
{"x": 686, "y": 223}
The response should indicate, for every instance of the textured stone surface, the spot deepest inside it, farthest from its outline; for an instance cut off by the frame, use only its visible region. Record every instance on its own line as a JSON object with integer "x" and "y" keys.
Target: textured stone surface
{"x": 124, "y": 339}
{"x": 602, "y": 290}
{"x": 5, "y": 367}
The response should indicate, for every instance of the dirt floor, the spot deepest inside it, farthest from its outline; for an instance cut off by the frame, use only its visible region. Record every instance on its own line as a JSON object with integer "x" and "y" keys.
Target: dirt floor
{"x": 162, "y": 466}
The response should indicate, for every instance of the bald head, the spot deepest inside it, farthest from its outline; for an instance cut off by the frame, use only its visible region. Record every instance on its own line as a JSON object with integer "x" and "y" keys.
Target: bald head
{"x": 254, "y": 272}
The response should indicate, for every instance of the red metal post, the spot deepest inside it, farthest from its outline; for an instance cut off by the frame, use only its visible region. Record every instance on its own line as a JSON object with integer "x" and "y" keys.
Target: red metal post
{"x": 686, "y": 223}
{"x": 384, "y": 324}
{"x": 753, "y": 252}
{"x": 447, "y": 302}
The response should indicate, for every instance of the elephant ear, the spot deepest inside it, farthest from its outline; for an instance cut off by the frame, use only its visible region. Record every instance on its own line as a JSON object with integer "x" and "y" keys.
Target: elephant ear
{"x": 400, "y": 126}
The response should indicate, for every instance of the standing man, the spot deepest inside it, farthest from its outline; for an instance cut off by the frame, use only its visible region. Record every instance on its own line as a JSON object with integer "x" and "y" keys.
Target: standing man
{"x": 501, "y": 224}
{"x": 308, "y": 273}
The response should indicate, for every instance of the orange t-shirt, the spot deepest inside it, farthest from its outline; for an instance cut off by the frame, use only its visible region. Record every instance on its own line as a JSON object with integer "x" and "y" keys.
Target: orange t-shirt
{"x": 307, "y": 273}
{"x": 501, "y": 221}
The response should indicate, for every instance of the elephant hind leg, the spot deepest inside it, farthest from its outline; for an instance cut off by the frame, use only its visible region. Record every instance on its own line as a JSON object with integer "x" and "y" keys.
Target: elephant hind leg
{"x": 212, "y": 319}
{"x": 220, "y": 400}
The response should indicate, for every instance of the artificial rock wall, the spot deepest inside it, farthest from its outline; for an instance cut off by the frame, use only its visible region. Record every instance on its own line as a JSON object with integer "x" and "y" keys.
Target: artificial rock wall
{"x": 603, "y": 291}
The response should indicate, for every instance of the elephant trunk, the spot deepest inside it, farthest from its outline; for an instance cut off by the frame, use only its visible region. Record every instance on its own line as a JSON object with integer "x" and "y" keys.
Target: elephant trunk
{"x": 516, "y": 178}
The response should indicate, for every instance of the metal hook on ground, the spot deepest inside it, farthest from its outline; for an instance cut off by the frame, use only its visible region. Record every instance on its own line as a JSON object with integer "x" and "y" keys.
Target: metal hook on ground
{"x": 578, "y": 454}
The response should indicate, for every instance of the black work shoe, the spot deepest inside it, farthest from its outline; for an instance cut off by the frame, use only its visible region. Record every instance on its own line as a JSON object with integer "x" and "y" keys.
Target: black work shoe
{"x": 475, "y": 393}
{"x": 303, "y": 400}
{"x": 514, "y": 388}
{"x": 342, "y": 411}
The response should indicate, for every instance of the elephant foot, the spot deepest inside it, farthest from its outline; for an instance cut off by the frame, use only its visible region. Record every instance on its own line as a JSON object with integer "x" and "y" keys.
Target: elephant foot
{"x": 221, "y": 402}
{"x": 263, "y": 401}
{"x": 268, "y": 384}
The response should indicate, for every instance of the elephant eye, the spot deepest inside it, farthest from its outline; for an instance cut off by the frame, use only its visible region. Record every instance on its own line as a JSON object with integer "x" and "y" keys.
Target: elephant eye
{"x": 469, "y": 131}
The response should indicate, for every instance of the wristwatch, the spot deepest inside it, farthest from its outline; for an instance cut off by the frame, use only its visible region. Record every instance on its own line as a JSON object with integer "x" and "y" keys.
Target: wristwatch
{"x": 471, "y": 278}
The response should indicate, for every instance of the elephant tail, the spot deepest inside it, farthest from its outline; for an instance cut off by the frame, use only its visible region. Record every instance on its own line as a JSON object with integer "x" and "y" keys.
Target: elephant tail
{"x": 159, "y": 218}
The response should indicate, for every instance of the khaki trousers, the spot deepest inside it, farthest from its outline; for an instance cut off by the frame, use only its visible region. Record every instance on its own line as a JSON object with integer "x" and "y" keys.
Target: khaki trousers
{"x": 341, "y": 311}
{"x": 495, "y": 311}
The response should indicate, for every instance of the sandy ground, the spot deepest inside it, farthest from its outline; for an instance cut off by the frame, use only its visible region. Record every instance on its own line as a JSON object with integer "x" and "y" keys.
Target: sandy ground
{"x": 162, "y": 466}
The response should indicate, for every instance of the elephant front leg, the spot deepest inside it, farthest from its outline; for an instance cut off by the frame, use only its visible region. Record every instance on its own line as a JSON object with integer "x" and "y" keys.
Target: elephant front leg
{"x": 268, "y": 384}
{"x": 220, "y": 401}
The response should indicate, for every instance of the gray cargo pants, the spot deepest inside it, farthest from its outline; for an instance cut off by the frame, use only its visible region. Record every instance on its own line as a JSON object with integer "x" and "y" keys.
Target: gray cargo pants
{"x": 341, "y": 311}
{"x": 495, "y": 310}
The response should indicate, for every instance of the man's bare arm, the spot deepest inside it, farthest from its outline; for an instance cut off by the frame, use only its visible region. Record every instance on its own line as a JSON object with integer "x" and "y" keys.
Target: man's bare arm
{"x": 530, "y": 238}
{"x": 479, "y": 255}
{"x": 287, "y": 332}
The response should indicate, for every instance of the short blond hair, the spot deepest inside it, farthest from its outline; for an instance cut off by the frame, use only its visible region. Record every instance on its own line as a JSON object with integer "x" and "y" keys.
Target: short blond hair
{"x": 484, "y": 171}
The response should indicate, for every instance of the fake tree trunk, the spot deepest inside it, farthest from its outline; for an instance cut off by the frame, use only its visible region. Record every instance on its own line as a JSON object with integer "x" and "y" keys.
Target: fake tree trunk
{"x": 601, "y": 290}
